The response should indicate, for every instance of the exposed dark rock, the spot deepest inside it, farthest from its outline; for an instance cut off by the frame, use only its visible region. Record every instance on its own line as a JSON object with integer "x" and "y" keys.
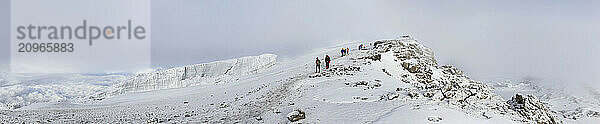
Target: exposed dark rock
{"x": 296, "y": 115}
{"x": 531, "y": 108}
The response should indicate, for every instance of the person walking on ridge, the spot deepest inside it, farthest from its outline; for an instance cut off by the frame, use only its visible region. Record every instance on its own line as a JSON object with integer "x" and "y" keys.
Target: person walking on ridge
{"x": 347, "y": 50}
{"x": 318, "y": 62}
{"x": 327, "y": 60}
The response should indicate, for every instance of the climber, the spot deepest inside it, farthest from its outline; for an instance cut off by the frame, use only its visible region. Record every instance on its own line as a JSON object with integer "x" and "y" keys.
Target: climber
{"x": 343, "y": 51}
{"x": 327, "y": 60}
{"x": 360, "y": 47}
{"x": 347, "y": 50}
{"x": 318, "y": 62}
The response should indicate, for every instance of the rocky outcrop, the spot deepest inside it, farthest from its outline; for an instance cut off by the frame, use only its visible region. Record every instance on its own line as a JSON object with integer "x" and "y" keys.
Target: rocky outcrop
{"x": 531, "y": 108}
{"x": 296, "y": 115}
{"x": 337, "y": 70}
{"x": 449, "y": 86}
{"x": 439, "y": 83}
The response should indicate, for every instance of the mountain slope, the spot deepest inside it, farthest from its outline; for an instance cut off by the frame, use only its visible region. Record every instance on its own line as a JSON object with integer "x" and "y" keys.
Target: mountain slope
{"x": 389, "y": 81}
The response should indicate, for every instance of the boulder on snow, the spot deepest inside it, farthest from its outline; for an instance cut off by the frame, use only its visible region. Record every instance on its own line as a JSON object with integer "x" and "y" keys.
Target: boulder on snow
{"x": 412, "y": 68}
{"x": 531, "y": 108}
{"x": 434, "y": 119}
{"x": 413, "y": 94}
{"x": 296, "y": 115}
{"x": 366, "y": 84}
{"x": 377, "y": 43}
{"x": 451, "y": 70}
{"x": 376, "y": 57}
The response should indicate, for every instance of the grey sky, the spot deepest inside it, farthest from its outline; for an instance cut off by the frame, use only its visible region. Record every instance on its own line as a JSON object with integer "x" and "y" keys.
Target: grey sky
{"x": 4, "y": 33}
{"x": 556, "y": 40}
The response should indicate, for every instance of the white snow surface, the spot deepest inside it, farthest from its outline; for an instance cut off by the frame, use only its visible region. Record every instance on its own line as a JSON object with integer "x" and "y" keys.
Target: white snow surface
{"x": 391, "y": 81}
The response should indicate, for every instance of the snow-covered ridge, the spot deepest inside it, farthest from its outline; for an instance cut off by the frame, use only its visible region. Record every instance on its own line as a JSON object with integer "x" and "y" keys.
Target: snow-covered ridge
{"x": 413, "y": 63}
{"x": 198, "y": 74}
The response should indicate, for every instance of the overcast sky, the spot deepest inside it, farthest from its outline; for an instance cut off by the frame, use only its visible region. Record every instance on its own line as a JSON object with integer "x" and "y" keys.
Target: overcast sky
{"x": 557, "y": 40}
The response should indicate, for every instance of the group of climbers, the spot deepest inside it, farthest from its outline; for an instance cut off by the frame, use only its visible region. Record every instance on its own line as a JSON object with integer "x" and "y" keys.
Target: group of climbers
{"x": 361, "y": 46}
{"x": 318, "y": 62}
{"x": 345, "y": 51}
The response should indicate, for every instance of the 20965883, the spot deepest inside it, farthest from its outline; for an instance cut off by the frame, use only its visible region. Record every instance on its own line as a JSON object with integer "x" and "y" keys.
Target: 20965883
{"x": 46, "y": 47}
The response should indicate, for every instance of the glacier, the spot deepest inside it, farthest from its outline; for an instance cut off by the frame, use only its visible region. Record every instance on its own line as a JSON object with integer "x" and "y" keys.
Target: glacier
{"x": 199, "y": 74}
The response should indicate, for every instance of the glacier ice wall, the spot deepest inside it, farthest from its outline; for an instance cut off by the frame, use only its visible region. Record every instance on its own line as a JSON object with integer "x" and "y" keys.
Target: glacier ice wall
{"x": 198, "y": 74}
